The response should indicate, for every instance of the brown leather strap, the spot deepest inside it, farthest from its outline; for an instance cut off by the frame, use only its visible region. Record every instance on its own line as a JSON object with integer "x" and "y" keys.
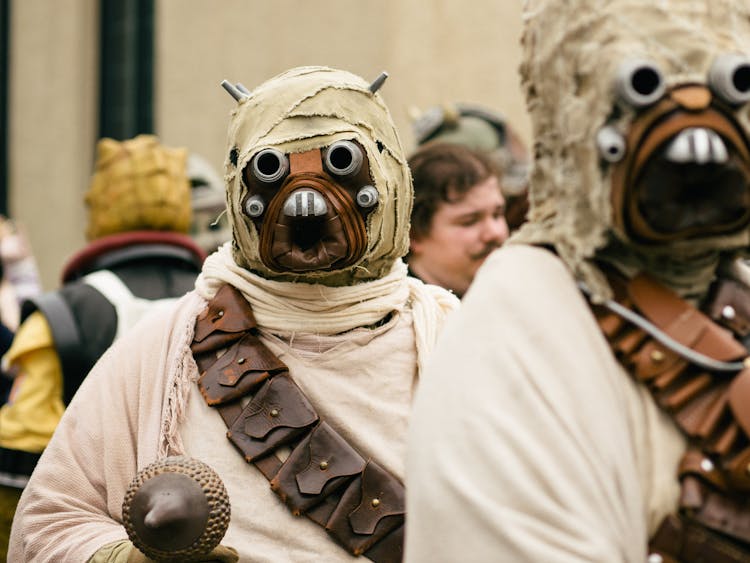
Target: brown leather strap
{"x": 712, "y": 410}
{"x": 359, "y": 504}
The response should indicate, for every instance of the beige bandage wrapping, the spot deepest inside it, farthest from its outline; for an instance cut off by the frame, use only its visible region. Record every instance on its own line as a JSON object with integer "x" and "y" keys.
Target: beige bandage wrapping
{"x": 285, "y": 308}
{"x": 572, "y": 51}
{"x": 312, "y": 107}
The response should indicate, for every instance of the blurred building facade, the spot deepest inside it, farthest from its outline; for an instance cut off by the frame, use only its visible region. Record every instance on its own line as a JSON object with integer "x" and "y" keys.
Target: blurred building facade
{"x": 72, "y": 71}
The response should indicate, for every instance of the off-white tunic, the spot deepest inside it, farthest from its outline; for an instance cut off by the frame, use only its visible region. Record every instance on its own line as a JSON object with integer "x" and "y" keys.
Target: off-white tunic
{"x": 143, "y": 392}
{"x": 528, "y": 442}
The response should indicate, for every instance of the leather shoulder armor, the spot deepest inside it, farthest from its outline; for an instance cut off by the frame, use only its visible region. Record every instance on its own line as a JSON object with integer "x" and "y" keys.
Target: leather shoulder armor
{"x": 694, "y": 365}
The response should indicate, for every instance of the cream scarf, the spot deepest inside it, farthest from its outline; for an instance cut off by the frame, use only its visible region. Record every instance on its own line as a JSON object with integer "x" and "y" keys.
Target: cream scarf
{"x": 286, "y": 308}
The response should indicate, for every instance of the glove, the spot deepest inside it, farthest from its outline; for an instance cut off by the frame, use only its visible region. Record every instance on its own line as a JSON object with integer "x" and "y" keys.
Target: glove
{"x": 125, "y": 552}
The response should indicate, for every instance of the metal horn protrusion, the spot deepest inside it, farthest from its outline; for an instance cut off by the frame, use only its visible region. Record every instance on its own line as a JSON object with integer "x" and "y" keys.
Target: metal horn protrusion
{"x": 378, "y": 82}
{"x": 241, "y": 87}
{"x": 236, "y": 93}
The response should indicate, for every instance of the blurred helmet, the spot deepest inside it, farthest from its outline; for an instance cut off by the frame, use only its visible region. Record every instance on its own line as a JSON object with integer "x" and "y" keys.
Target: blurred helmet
{"x": 138, "y": 184}
{"x": 479, "y": 129}
{"x": 210, "y": 226}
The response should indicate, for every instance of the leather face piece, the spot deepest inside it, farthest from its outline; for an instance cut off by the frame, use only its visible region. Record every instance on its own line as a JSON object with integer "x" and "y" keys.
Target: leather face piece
{"x": 335, "y": 239}
{"x": 686, "y": 173}
{"x": 311, "y": 220}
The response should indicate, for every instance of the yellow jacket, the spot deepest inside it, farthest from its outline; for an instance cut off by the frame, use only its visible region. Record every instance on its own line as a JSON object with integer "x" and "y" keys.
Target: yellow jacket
{"x": 35, "y": 405}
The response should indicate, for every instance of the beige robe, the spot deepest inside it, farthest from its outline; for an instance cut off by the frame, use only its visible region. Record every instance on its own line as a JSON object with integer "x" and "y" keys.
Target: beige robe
{"x": 528, "y": 442}
{"x": 140, "y": 401}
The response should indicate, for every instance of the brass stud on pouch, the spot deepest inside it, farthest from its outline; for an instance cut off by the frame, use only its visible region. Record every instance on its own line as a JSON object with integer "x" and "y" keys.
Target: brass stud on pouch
{"x": 274, "y": 413}
{"x": 728, "y": 312}
{"x": 323, "y": 465}
{"x": 241, "y": 361}
{"x": 707, "y": 465}
{"x": 375, "y": 502}
{"x": 657, "y": 356}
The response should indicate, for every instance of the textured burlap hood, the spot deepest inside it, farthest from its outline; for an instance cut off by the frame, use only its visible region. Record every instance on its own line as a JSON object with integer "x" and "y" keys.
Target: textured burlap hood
{"x": 307, "y": 108}
{"x": 572, "y": 50}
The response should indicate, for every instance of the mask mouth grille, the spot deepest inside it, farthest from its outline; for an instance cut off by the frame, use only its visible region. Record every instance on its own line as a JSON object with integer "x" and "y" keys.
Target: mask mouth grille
{"x": 305, "y": 203}
{"x": 312, "y": 225}
{"x": 691, "y": 197}
{"x": 686, "y": 171}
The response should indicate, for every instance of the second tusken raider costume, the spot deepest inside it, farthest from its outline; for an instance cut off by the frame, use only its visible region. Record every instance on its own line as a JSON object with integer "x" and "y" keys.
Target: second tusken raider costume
{"x": 607, "y": 415}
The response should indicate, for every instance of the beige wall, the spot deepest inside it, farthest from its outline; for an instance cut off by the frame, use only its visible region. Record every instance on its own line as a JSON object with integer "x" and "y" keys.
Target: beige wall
{"x": 435, "y": 51}
{"x": 52, "y": 97}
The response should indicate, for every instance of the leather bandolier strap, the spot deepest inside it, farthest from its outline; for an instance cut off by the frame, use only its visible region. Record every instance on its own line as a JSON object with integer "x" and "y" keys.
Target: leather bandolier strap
{"x": 712, "y": 408}
{"x": 359, "y": 503}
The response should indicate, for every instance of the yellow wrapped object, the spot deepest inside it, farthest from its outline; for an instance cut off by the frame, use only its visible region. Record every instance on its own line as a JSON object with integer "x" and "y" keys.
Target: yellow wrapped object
{"x": 138, "y": 184}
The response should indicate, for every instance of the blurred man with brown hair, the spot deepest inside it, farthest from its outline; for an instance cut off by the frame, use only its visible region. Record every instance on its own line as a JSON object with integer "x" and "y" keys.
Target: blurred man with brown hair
{"x": 138, "y": 257}
{"x": 458, "y": 216}
{"x": 488, "y": 131}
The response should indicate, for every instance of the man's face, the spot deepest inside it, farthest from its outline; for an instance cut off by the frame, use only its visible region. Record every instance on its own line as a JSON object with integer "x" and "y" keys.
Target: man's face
{"x": 462, "y": 235}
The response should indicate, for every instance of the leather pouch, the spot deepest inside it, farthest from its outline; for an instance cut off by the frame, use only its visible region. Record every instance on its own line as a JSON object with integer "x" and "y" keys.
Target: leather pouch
{"x": 242, "y": 367}
{"x": 653, "y": 360}
{"x": 278, "y": 413}
{"x": 735, "y": 295}
{"x": 701, "y": 417}
{"x": 680, "y": 541}
{"x": 321, "y": 464}
{"x": 227, "y": 312}
{"x": 726, "y": 515}
{"x": 390, "y": 549}
{"x": 370, "y": 508}
{"x": 682, "y": 322}
{"x": 627, "y": 343}
{"x": 737, "y": 473}
{"x": 739, "y": 399}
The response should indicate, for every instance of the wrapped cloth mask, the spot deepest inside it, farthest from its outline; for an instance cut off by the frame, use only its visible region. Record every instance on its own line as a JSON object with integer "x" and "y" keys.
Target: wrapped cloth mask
{"x": 319, "y": 189}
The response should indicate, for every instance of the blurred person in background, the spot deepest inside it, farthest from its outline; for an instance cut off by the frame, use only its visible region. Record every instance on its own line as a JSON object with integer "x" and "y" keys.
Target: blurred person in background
{"x": 139, "y": 257}
{"x": 210, "y": 226}
{"x": 19, "y": 280}
{"x": 458, "y": 217}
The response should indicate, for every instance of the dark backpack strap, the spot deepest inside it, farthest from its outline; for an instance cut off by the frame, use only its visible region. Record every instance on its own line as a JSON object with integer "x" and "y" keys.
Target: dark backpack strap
{"x": 65, "y": 334}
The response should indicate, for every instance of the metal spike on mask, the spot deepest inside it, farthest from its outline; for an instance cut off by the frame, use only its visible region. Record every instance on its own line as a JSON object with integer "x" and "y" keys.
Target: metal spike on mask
{"x": 234, "y": 91}
{"x": 378, "y": 82}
